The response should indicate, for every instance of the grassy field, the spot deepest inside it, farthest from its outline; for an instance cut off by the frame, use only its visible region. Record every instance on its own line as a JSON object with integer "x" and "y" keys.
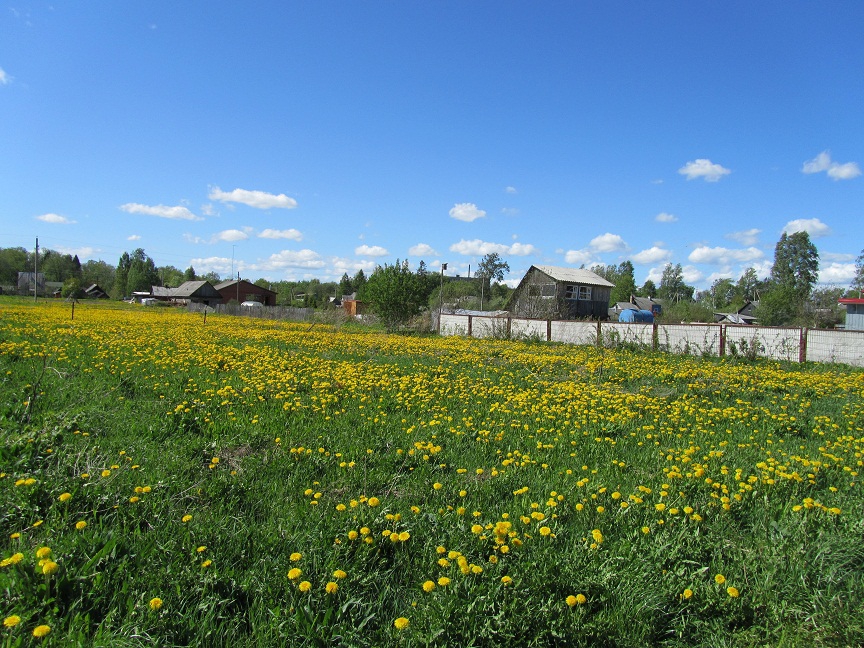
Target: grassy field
{"x": 255, "y": 483}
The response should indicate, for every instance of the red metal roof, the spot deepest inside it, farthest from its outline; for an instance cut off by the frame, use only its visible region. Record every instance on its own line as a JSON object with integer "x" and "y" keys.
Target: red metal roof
{"x": 851, "y": 300}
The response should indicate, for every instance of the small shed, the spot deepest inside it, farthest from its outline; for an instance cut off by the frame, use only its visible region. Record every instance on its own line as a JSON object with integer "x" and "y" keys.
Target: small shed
{"x": 854, "y": 313}
{"x": 551, "y": 292}
{"x": 93, "y": 291}
{"x": 241, "y": 290}
{"x": 196, "y": 292}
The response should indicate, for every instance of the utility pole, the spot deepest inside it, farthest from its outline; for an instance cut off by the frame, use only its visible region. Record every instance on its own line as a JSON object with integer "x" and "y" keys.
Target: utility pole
{"x": 441, "y": 296}
{"x": 36, "y": 271}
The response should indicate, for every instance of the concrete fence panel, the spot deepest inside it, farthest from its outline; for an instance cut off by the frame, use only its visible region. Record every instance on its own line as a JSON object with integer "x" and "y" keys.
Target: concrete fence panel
{"x": 574, "y": 332}
{"x": 689, "y": 339}
{"x": 836, "y": 346}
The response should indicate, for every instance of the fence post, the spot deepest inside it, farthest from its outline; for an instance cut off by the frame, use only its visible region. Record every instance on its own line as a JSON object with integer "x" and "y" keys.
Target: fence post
{"x": 509, "y": 326}
{"x": 722, "y": 340}
{"x": 599, "y": 341}
{"x": 654, "y": 337}
{"x": 548, "y": 330}
{"x": 470, "y": 325}
{"x": 802, "y": 346}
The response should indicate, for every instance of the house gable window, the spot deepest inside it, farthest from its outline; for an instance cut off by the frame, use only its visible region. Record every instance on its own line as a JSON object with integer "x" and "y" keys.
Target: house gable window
{"x": 541, "y": 290}
{"x": 577, "y": 292}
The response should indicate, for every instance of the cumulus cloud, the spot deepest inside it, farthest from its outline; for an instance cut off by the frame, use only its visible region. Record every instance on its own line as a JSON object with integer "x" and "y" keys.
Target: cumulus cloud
{"x": 231, "y": 235}
{"x": 162, "y": 211}
{"x": 482, "y": 248}
{"x": 705, "y": 254}
{"x": 607, "y": 243}
{"x": 654, "y": 254}
{"x": 510, "y": 190}
{"x": 4, "y": 78}
{"x": 578, "y": 257}
{"x": 133, "y": 237}
{"x": 256, "y": 199}
{"x": 705, "y": 169}
{"x": 422, "y": 249}
{"x": 691, "y": 275}
{"x": 835, "y": 170}
{"x": 745, "y": 237}
{"x": 221, "y": 265}
{"x": 371, "y": 250}
{"x": 467, "y": 212}
{"x": 663, "y": 217}
{"x": 55, "y": 218}
{"x": 840, "y": 257}
{"x": 813, "y": 226}
{"x": 837, "y": 273}
{"x": 293, "y": 259}
{"x": 291, "y": 234}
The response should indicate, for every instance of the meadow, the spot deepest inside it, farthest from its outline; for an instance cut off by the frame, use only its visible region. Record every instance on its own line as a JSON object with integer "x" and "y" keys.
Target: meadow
{"x": 170, "y": 482}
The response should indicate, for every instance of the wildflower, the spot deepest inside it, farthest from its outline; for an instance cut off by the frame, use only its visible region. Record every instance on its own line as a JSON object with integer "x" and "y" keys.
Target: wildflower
{"x": 185, "y": 518}
{"x": 43, "y": 552}
{"x": 646, "y": 530}
{"x": 80, "y": 525}
{"x": 597, "y": 535}
{"x": 580, "y": 599}
{"x": 15, "y": 535}
{"x": 106, "y": 473}
{"x": 64, "y": 496}
{"x": 155, "y": 603}
{"x": 331, "y": 587}
{"x": 295, "y": 556}
{"x": 688, "y": 593}
{"x": 11, "y": 621}
{"x": 304, "y": 586}
{"x": 732, "y": 591}
{"x": 294, "y": 573}
{"x": 206, "y": 564}
{"x": 134, "y": 499}
{"x": 719, "y": 579}
{"x": 443, "y": 581}
{"x": 506, "y": 580}
{"x": 437, "y": 485}
{"x": 404, "y": 536}
{"x": 201, "y": 549}
{"x": 41, "y": 631}
{"x": 339, "y": 574}
{"x": 571, "y": 601}
{"x": 401, "y": 623}
{"x": 373, "y": 502}
{"x": 545, "y": 531}
{"x": 49, "y": 567}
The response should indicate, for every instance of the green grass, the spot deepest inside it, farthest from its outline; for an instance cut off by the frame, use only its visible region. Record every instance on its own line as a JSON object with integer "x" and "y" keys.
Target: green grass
{"x": 765, "y": 454}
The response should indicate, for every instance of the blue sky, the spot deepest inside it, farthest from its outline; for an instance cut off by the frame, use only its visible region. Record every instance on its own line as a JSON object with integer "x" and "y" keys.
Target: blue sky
{"x": 309, "y": 139}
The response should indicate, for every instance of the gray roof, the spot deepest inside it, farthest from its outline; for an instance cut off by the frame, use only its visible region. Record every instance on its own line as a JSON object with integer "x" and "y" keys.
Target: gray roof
{"x": 575, "y": 275}
{"x": 190, "y": 288}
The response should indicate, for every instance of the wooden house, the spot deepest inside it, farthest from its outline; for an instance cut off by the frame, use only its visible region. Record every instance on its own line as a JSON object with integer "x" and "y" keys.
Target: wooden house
{"x": 243, "y": 291}
{"x": 854, "y": 313}
{"x": 550, "y": 292}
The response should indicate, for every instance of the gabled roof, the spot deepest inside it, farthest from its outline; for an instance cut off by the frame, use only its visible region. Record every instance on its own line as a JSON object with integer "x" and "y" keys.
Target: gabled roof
{"x": 574, "y": 275}
{"x": 234, "y": 282}
{"x": 195, "y": 289}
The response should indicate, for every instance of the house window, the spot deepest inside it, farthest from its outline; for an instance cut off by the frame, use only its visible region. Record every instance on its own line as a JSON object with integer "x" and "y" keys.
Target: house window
{"x": 541, "y": 290}
{"x": 578, "y": 292}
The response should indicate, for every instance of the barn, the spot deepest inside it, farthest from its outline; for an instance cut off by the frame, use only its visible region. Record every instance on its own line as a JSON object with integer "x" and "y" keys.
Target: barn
{"x": 242, "y": 291}
{"x": 550, "y": 292}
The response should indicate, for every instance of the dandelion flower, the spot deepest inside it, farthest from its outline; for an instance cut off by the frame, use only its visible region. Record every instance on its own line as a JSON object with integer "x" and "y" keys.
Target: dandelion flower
{"x": 545, "y": 531}
{"x": 339, "y": 574}
{"x": 570, "y": 600}
{"x": 688, "y": 593}
{"x": 719, "y": 579}
{"x": 43, "y": 552}
{"x": 437, "y": 485}
{"x": 506, "y": 580}
{"x": 185, "y": 518}
{"x": 401, "y": 623}
{"x": 80, "y": 525}
{"x": 295, "y": 556}
{"x": 304, "y": 586}
{"x": 443, "y": 581}
{"x": 732, "y": 591}
{"x": 331, "y": 587}
{"x": 201, "y": 549}
{"x": 206, "y": 563}
{"x": 106, "y": 473}
{"x": 49, "y": 567}
{"x": 428, "y": 586}
{"x": 64, "y": 496}
{"x": 41, "y": 631}
{"x": 294, "y": 573}
{"x": 11, "y": 621}
{"x": 155, "y": 603}
{"x": 373, "y": 502}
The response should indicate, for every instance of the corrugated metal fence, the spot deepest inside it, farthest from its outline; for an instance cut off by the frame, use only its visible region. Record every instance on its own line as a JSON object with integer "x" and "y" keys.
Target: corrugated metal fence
{"x": 780, "y": 343}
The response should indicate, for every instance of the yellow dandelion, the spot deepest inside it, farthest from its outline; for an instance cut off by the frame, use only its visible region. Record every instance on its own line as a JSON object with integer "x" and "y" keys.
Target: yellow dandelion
{"x": 294, "y": 573}
{"x": 80, "y": 525}
{"x": 688, "y": 593}
{"x": 185, "y": 518}
{"x": 570, "y": 600}
{"x": 373, "y": 501}
{"x": 11, "y": 621}
{"x": 64, "y": 497}
{"x": 339, "y": 574}
{"x": 443, "y": 581}
{"x": 43, "y": 552}
{"x": 719, "y": 579}
{"x": 506, "y": 580}
{"x": 155, "y": 603}
{"x": 401, "y": 623}
{"x": 428, "y": 586}
{"x": 49, "y": 567}
{"x": 331, "y": 587}
{"x": 304, "y": 586}
{"x": 41, "y": 631}
{"x": 732, "y": 591}
{"x": 206, "y": 563}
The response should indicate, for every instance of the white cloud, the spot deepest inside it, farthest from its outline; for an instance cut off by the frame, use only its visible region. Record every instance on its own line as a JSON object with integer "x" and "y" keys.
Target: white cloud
{"x": 133, "y": 237}
{"x": 579, "y": 257}
{"x": 371, "y": 250}
{"x": 467, "y": 212}
{"x": 510, "y": 211}
{"x": 342, "y": 265}
{"x": 55, "y": 218}
{"x": 4, "y": 78}
{"x": 653, "y": 254}
{"x": 607, "y": 243}
{"x": 162, "y": 211}
{"x": 813, "y": 226}
{"x": 291, "y": 234}
{"x": 837, "y": 273}
{"x": 208, "y": 210}
{"x": 256, "y": 199}
{"x": 482, "y": 248}
{"x": 705, "y": 169}
{"x": 421, "y": 249}
{"x": 705, "y": 254}
{"x": 221, "y": 265}
{"x": 835, "y": 170}
{"x": 840, "y": 257}
{"x": 745, "y": 237}
{"x": 663, "y": 217}
{"x": 691, "y": 275}
{"x": 293, "y": 259}
{"x": 230, "y": 235}
{"x": 510, "y": 190}
{"x": 82, "y": 252}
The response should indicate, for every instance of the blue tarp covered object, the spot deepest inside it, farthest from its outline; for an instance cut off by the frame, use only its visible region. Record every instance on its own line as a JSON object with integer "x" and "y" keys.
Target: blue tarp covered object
{"x": 632, "y": 315}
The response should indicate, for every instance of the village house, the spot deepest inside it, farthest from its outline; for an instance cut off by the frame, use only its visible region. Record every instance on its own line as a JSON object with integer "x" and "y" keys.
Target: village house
{"x": 244, "y": 291}
{"x": 550, "y": 292}
{"x": 854, "y": 313}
